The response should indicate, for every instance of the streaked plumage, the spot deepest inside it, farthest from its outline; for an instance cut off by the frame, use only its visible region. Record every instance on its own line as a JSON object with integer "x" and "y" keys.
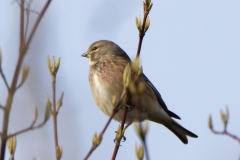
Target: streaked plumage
{"x": 107, "y": 62}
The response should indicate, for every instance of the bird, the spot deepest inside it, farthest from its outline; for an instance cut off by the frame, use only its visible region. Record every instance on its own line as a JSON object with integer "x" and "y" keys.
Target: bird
{"x": 107, "y": 63}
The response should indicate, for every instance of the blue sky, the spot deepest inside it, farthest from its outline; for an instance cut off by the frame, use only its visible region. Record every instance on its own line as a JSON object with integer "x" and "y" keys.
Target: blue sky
{"x": 191, "y": 53}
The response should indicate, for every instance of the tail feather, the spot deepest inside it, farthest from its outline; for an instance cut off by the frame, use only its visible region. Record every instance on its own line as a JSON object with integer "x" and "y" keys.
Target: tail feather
{"x": 180, "y": 131}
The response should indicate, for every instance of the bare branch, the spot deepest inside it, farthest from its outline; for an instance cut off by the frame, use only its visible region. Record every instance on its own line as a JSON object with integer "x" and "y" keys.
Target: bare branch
{"x": 118, "y": 141}
{"x": 37, "y": 22}
{"x": 3, "y": 77}
{"x": 31, "y": 127}
{"x": 225, "y": 132}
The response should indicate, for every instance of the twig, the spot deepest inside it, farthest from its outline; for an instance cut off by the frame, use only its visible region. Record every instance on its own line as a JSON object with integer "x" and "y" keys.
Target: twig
{"x": 23, "y": 47}
{"x": 37, "y": 22}
{"x": 31, "y": 127}
{"x": 118, "y": 142}
{"x": 3, "y": 77}
{"x": 225, "y": 132}
{"x": 115, "y": 110}
{"x": 28, "y": 15}
{"x": 54, "y": 110}
{"x": 141, "y": 35}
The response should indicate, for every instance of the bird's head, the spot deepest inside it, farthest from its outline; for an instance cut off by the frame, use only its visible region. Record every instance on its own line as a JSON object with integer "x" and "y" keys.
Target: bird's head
{"x": 103, "y": 49}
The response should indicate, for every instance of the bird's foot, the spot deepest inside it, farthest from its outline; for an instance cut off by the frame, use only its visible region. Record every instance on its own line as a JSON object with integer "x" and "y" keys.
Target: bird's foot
{"x": 129, "y": 108}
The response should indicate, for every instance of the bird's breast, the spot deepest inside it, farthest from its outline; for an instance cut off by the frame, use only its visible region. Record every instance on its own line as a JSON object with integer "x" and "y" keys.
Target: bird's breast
{"x": 105, "y": 83}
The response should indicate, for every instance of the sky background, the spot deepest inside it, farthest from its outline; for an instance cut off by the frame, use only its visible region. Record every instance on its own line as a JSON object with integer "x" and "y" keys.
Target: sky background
{"x": 191, "y": 53}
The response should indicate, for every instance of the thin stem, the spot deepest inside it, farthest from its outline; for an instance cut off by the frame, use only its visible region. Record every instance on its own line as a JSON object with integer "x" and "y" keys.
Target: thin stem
{"x": 225, "y": 132}
{"x": 11, "y": 91}
{"x": 22, "y": 40}
{"x": 141, "y": 35}
{"x": 31, "y": 127}
{"x": 37, "y": 22}
{"x": 54, "y": 110}
{"x": 118, "y": 142}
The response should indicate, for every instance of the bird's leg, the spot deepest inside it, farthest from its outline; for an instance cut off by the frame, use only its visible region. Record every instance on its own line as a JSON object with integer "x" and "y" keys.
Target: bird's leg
{"x": 129, "y": 107}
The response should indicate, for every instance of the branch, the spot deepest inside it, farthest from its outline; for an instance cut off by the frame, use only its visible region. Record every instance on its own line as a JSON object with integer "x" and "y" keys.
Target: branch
{"x": 115, "y": 110}
{"x": 225, "y": 132}
{"x": 31, "y": 127}
{"x": 54, "y": 110}
{"x": 141, "y": 34}
{"x": 23, "y": 47}
{"x": 37, "y": 22}
{"x": 118, "y": 141}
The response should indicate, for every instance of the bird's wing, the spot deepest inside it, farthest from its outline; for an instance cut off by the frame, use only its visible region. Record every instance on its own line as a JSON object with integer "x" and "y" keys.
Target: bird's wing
{"x": 159, "y": 98}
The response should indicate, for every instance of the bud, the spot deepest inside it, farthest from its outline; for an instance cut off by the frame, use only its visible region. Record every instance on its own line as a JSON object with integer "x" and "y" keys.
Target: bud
{"x": 140, "y": 71}
{"x": 141, "y": 87}
{"x": 53, "y": 68}
{"x": 145, "y": 6}
{"x": 59, "y": 152}
{"x": 147, "y": 2}
{"x": 147, "y": 24}
{"x": 48, "y": 109}
{"x": 58, "y": 64}
{"x": 59, "y": 103}
{"x": 97, "y": 139}
{"x": 49, "y": 104}
{"x": 25, "y": 71}
{"x": 227, "y": 114}
{"x": 35, "y": 114}
{"x": 126, "y": 75}
{"x": 12, "y": 144}
{"x": 139, "y": 150}
{"x": 135, "y": 65}
{"x": 132, "y": 88}
{"x": 114, "y": 100}
{"x": 150, "y": 7}
{"x": 141, "y": 131}
{"x": 139, "y": 24}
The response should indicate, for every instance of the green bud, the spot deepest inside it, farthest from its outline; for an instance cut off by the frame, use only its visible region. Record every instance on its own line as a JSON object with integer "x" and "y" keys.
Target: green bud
{"x": 12, "y": 144}
{"x": 48, "y": 109}
{"x": 147, "y": 24}
{"x": 25, "y": 71}
{"x": 59, "y": 103}
{"x": 139, "y": 24}
{"x": 59, "y": 152}
{"x": 97, "y": 139}
{"x": 139, "y": 150}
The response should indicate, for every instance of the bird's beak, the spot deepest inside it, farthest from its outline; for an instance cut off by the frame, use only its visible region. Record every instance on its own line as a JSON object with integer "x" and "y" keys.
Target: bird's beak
{"x": 85, "y": 54}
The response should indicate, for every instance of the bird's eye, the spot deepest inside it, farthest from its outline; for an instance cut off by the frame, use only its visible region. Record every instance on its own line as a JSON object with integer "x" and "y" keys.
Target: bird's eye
{"x": 94, "y": 48}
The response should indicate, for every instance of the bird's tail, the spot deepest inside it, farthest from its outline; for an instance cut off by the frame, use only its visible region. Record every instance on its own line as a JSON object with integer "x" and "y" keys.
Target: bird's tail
{"x": 180, "y": 131}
